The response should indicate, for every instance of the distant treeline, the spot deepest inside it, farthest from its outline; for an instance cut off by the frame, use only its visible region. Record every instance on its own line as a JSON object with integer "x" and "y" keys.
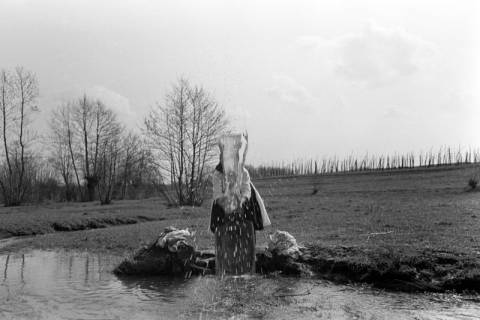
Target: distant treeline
{"x": 140, "y": 180}
{"x": 445, "y": 156}
{"x": 88, "y": 154}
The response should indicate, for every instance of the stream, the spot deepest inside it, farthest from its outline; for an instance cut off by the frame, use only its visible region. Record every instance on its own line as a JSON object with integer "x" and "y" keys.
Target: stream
{"x": 80, "y": 285}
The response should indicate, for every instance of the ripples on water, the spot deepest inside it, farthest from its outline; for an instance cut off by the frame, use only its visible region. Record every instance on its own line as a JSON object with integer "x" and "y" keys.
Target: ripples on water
{"x": 66, "y": 285}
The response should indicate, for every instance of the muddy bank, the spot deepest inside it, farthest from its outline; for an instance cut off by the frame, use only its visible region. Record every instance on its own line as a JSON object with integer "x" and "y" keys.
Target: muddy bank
{"x": 98, "y": 223}
{"x": 429, "y": 270}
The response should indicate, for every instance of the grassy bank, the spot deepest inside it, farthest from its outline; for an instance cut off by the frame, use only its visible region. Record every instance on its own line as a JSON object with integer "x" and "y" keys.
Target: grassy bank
{"x": 367, "y": 220}
{"x": 49, "y": 218}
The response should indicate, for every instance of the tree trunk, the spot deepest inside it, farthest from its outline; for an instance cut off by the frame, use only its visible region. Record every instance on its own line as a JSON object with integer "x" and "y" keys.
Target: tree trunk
{"x": 91, "y": 185}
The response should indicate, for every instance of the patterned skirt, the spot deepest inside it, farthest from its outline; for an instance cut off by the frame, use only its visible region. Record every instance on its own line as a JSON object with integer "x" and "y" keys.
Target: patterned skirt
{"x": 235, "y": 248}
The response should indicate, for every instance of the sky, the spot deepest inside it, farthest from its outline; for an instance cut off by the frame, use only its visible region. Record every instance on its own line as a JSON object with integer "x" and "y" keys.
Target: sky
{"x": 306, "y": 79}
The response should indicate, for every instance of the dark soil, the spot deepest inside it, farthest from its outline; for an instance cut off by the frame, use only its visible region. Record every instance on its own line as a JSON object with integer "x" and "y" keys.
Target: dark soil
{"x": 428, "y": 270}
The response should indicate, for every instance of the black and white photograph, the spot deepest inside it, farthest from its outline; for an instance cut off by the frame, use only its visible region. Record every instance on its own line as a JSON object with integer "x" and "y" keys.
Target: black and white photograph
{"x": 239, "y": 159}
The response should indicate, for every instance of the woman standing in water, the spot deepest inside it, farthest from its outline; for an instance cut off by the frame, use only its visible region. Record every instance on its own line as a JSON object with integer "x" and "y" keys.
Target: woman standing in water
{"x": 237, "y": 209}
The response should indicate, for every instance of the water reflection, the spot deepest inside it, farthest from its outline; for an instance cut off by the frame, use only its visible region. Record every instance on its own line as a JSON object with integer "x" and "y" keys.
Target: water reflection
{"x": 66, "y": 285}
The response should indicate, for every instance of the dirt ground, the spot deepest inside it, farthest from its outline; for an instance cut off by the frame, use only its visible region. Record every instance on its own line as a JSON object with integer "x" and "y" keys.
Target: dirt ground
{"x": 402, "y": 213}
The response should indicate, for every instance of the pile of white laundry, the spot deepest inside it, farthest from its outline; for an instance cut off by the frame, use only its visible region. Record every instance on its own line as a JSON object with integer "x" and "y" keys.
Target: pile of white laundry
{"x": 283, "y": 243}
{"x": 172, "y": 238}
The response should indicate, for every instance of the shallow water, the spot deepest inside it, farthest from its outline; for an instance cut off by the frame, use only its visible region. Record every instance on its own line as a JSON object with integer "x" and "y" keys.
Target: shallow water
{"x": 73, "y": 285}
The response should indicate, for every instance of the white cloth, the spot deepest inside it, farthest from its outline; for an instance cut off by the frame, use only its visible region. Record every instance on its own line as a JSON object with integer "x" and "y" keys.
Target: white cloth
{"x": 173, "y": 238}
{"x": 245, "y": 191}
{"x": 283, "y": 243}
{"x": 265, "y": 219}
{"x": 218, "y": 181}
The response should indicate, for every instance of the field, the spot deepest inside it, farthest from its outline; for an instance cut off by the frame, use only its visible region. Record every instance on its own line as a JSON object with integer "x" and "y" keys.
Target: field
{"x": 356, "y": 216}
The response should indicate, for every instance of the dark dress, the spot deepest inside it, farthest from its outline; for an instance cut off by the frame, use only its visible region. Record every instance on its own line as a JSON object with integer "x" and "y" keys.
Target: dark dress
{"x": 235, "y": 246}
{"x": 235, "y": 237}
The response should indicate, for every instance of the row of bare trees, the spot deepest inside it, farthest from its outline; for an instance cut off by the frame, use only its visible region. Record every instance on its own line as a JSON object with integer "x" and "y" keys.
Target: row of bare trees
{"x": 444, "y": 156}
{"x": 88, "y": 154}
{"x": 95, "y": 156}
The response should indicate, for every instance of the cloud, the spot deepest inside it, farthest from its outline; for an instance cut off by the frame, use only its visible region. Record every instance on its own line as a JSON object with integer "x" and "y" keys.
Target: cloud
{"x": 116, "y": 102}
{"x": 120, "y": 104}
{"x": 290, "y": 93}
{"x": 374, "y": 56}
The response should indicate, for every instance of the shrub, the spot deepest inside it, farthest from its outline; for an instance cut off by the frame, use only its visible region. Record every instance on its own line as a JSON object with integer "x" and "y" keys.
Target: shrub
{"x": 472, "y": 182}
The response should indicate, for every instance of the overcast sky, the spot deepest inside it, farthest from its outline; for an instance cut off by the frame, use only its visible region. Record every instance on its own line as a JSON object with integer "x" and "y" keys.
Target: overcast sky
{"x": 305, "y": 78}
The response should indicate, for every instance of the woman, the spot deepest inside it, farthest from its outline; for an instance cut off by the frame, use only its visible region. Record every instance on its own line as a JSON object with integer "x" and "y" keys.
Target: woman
{"x": 235, "y": 216}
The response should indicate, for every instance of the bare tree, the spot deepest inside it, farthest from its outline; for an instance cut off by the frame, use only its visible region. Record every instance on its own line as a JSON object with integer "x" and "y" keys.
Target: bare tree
{"x": 184, "y": 130}
{"x": 107, "y": 165}
{"x": 45, "y": 183}
{"x": 84, "y": 130}
{"x": 133, "y": 150}
{"x": 138, "y": 174}
{"x": 62, "y": 157}
{"x": 18, "y": 93}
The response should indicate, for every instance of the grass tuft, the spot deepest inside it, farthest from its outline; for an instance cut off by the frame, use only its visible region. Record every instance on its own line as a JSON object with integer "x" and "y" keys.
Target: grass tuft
{"x": 473, "y": 182}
